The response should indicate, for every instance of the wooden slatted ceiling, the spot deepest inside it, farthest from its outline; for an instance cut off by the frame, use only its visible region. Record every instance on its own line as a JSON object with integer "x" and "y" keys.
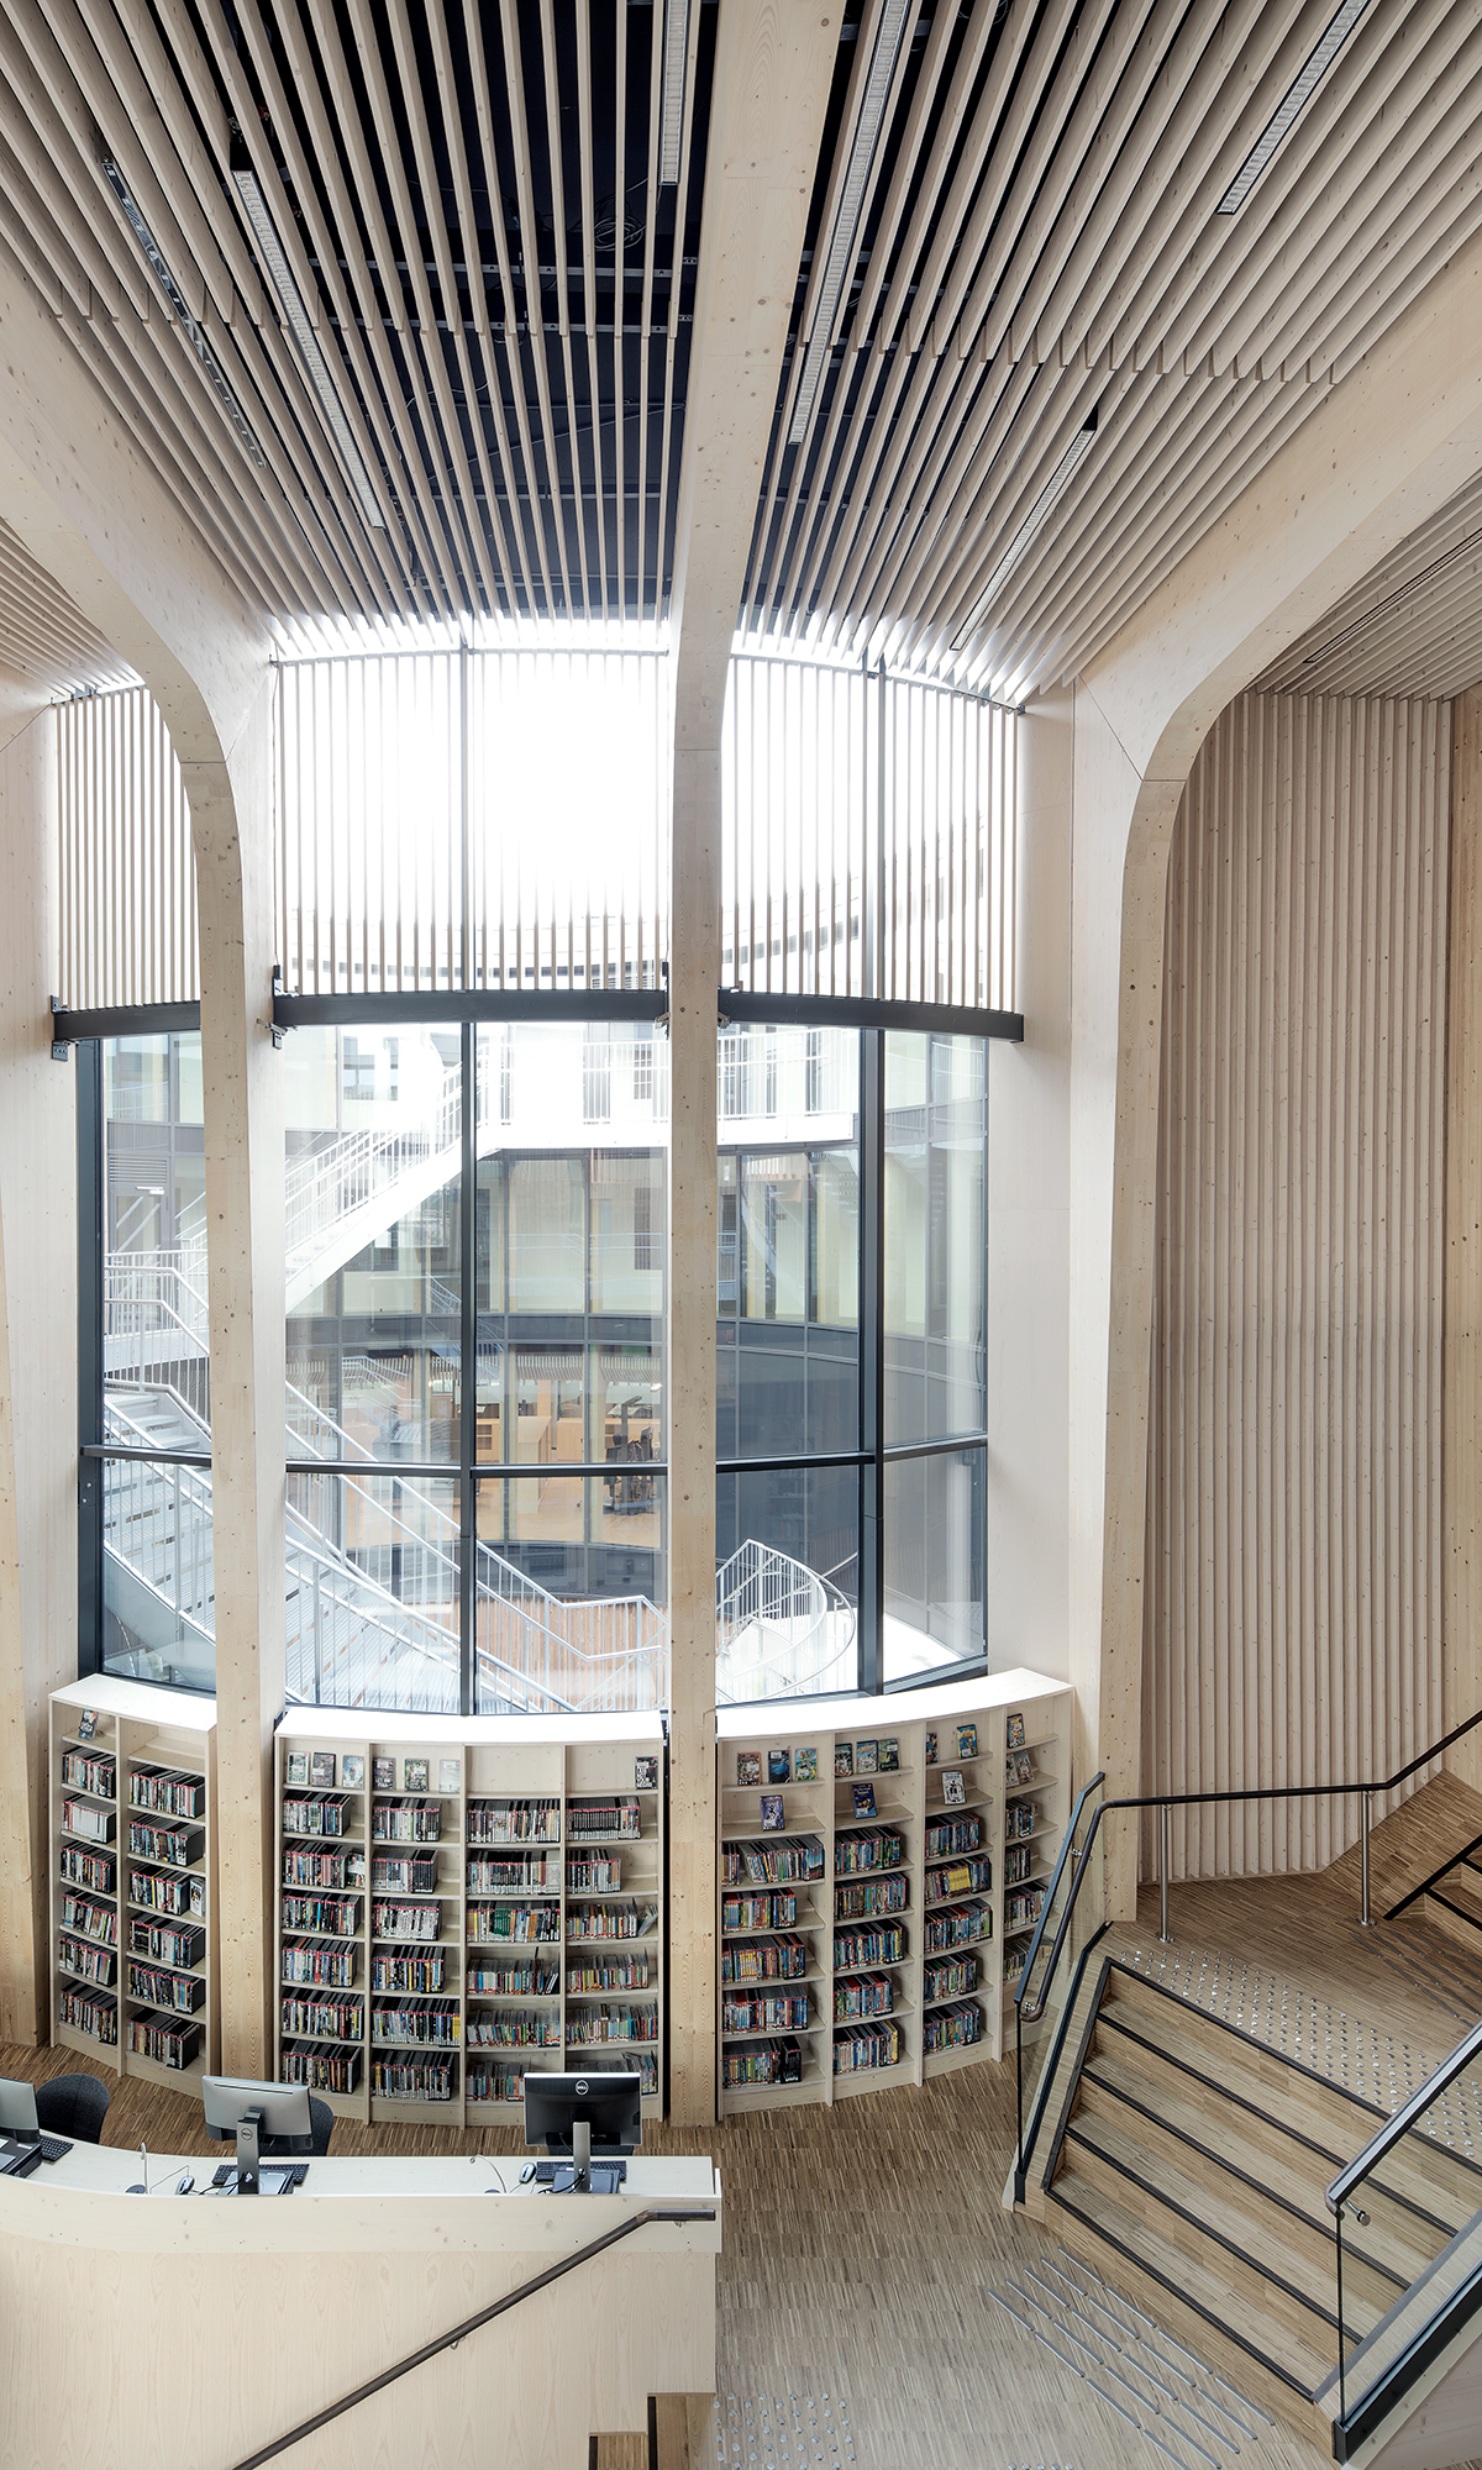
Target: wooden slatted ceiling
{"x": 46, "y": 645}
{"x": 1046, "y": 245}
{"x": 468, "y": 199}
{"x": 1412, "y": 627}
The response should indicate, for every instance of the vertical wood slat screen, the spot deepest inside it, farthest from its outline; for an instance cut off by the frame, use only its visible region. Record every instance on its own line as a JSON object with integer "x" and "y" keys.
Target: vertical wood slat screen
{"x": 127, "y": 867}
{"x": 1294, "y": 1597}
{"x": 869, "y": 836}
{"x": 479, "y": 818}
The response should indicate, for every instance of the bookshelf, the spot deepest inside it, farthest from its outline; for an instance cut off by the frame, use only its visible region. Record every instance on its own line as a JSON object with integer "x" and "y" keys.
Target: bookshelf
{"x": 133, "y": 1878}
{"x": 460, "y": 1898}
{"x": 880, "y": 1875}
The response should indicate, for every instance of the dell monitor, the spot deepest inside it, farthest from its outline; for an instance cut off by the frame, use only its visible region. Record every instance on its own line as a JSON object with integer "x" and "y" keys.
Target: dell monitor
{"x": 584, "y": 2114}
{"x": 18, "y": 2109}
{"x": 237, "y": 2106}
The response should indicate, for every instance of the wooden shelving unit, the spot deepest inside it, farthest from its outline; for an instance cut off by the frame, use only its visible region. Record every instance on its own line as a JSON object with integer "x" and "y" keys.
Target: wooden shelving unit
{"x": 134, "y": 1933}
{"x": 899, "y": 1929}
{"x": 506, "y": 1912}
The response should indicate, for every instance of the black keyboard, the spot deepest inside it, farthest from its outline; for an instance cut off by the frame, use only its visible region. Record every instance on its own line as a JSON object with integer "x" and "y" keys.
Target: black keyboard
{"x": 52, "y": 2148}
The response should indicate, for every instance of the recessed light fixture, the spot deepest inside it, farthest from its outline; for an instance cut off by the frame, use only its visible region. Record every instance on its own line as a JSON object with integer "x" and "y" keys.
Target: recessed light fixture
{"x": 1033, "y": 523}
{"x": 1292, "y": 105}
{"x": 191, "y": 327}
{"x": 296, "y": 318}
{"x": 671, "y": 89}
{"x": 845, "y": 234}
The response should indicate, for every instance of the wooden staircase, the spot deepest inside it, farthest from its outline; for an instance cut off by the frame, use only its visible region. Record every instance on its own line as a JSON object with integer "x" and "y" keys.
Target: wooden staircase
{"x": 1190, "y": 2162}
{"x": 679, "y": 2437}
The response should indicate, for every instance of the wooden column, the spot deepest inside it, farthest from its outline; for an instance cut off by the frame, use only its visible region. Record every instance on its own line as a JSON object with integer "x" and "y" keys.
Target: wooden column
{"x": 38, "y": 1367}
{"x": 1461, "y": 1376}
{"x": 242, "y": 1084}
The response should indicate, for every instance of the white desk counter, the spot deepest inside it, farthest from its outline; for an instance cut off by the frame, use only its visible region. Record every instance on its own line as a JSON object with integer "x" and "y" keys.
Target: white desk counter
{"x": 183, "y": 2332}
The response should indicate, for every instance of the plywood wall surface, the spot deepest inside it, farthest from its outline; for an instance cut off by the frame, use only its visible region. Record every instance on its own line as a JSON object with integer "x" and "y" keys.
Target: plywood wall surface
{"x": 1294, "y": 1603}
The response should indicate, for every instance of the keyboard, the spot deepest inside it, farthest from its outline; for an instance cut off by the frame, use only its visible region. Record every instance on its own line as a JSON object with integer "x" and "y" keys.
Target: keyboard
{"x": 52, "y": 2148}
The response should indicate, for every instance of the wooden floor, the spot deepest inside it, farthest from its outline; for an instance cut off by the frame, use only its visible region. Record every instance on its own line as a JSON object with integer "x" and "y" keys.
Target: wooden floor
{"x": 864, "y": 2244}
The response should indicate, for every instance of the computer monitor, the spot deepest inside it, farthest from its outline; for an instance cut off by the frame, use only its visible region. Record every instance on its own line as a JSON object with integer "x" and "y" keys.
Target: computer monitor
{"x": 237, "y": 2106}
{"x": 582, "y": 2114}
{"x": 18, "y": 2107}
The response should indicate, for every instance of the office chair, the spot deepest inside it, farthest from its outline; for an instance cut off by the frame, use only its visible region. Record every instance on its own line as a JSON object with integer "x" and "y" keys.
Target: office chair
{"x": 285, "y": 2149}
{"x": 72, "y": 2105}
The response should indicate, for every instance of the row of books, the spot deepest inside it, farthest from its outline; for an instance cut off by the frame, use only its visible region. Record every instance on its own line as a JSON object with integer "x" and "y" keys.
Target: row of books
{"x": 436, "y": 2022}
{"x": 885, "y": 1945}
{"x": 952, "y": 1977}
{"x": 1018, "y": 1864}
{"x": 97, "y": 1871}
{"x": 489, "y": 1923}
{"x": 758, "y": 1912}
{"x": 1023, "y": 1907}
{"x": 406, "y": 1822}
{"x": 619, "y": 1972}
{"x": 169, "y": 1792}
{"x": 408, "y": 1968}
{"x": 864, "y": 1898}
{"x": 325, "y": 2018}
{"x": 860, "y": 2047}
{"x": 592, "y": 2026}
{"x": 90, "y": 1819}
{"x": 587, "y": 1821}
{"x": 959, "y": 1834}
{"x": 405, "y": 2078}
{"x": 772, "y": 1864}
{"x": 952, "y": 2028}
{"x": 90, "y": 1771}
{"x": 948, "y": 1878}
{"x": 1020, "y": 1818}
{"x": 323, "y": 1814}
{"x": 162, "y": 2039}
{"x": 634, "y": 1919}
{"x": 869, "y": 1848}
{"x": 330, "y": 1916}
{"x": 90, "y": 1920}
{"x": 87, "y": 1962}
{"x": 156, "y": 1986}
{"x": 176, "y": 1847}
{"x": 761, "y": 2062}
{"x": 772, "y": 2011}
{"x": 515, "y": 1874}
{"x": 514, "y": 1822}
{"x": 87, "y": 2011}
{"x": 322, "y": 2071}
{"x": 163, "y": 1891}
{"x": 405, "y": 1920}
{"x": 957, "y": 1925}
{"x": 317, "y": 1966}
{"x": 514, "y": 2028}
{"x": 495, "y": 2083}
{"x": 764, "y": 1959}
{"x": 536, "y": 1979}
{"x": 596, "y": 1873}
{"x": 404, "y": 1873}
{"x": 304, "y": 1867}
{"x": 164, "y": 1943}
{"x": 863, "y": 1994}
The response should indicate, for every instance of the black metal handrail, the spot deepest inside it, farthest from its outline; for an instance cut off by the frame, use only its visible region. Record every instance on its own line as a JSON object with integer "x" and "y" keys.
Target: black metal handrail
{"x": 460, "y": 2332}
{"x": 1384, "y": 2138}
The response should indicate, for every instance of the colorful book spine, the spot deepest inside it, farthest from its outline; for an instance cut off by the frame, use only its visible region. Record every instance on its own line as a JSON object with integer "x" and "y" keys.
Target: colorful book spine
{"x": 96, "y": 1871}
{"x": 90, "y": 1771}
{"x": 764, "y": 1959}
{"x": 957, "y": 1925}
{"x": 590, "y": 1821}
{"x": 155, "y": 1986}
{"x": 857, "y": 1995}
{"x": 415, "y": 1921}
{"x": 886, "y": 1945}
{"x": 514, "y": 1822}
{"x": 87, "y": 1962}
{"x": 164, "y": 1944}
{"x": 953, "y": 1977}
{"x": 952, "y": 2028}
{"x": 973, "y": 1877}
{"x": 517, "y": 1875}
{"x": 863, "y": 1899}
{"x": 489, "y": 1923}
{"x": 406, "y": 1822}
{"x": 320, "y": 1814}
{"x": 512, "y": 2028}
{"x": 619, "y": 1972}
{"x": 329, "y": 2018}
{"x": 176, "y": 1847}
{"x": 413, "y": 2022}
{"x": 759, "y": 2063}
{"x": 862, "y": 2047}
{"x": 89, "y": 1920}
{"x": 320, "y": 2070}
{"x": 171, "y": 1794}
{"x": 779, "y": 2011}
{"x": 952, "y": 1835}
{"x": 329, "y": 1916}
{"x": 630, "y": 1920}
{"x": 162, "y": 2039}
{"x": 591, "y": 2027}
{"x": 405, "y": 2078}
{"x": 871, "y": 1848}
{"x": 309, "y": 1962}
{"x": 86, "y": 2011}
{"x": 408, "y": 1968}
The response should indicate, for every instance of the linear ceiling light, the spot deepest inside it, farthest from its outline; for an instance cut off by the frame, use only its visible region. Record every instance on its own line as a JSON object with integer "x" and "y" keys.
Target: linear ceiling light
{"x": 190, "y": 327}
{"x": 1033, "y": 523}
{"x": 296, "y": 318}
{"x": 842, "y": 245}
{"x": 671, "y": 85}
{"x": 1292, "y": 105}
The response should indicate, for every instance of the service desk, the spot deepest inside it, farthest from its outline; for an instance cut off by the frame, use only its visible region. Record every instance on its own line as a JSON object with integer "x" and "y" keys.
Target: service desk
{"x": 183, "y": 2332}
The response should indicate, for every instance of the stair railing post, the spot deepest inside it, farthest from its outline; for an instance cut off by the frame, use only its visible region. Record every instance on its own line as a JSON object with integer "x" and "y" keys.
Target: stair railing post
{"x": 1163, "y": 1874}
{"x": 1365, "y": 1914}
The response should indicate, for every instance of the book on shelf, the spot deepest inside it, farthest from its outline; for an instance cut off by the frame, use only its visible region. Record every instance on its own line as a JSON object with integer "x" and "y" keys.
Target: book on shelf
{"x": 418, "y": 1969}
{"x": 857, "y": 1995}
{"x": 90, "y": 1920}
{"x": 330, "y": 1916}
{"x": 531, "y": 1979}
{"x": 514, "y": 1822}
{"x": 97, "y": 1871}
{"x": 154, "y": 1985}
{"x": 860, "y": 2047}
{"x": 1023, "y": 1906}
{"x": 764, "y": 1959}
{"x": 90, "y": 1771}
{"x": 166, "y": 1891}
{"x": 404, "y": 1873}
{"x": 305, "y": 1866}
{"x": 861, "y": 1899}
{"x": 971, "y": 1877}
{"x": 640, "y": 2062}
{"x": 867, "y": 1848}
{"x": 1018, "y": 1864}
{"x": 633, "y": 1919}
{"x": 312, "y": 1964}
{"x": 766, "y": 2011}
{"x": 320, "y": 2070}
{"x": 514, "y": 1874}
{"x": 885, "y": 1943}
{"x": 1020, "y": 1818}
{"x": 590, "y": 2027}
{"x": 513, "y": 2028}
{"x": 761, "y": 2062}
{"x": 793, "y": 1858}
{"x": 163, "y": 1943}
{"x": 328, "y": 2017}
{"x": 176, "y": 1847}
{"x": 617, "y": 1972}
{"x": 488, "y": 1923}
{"x": 594, "y": 1873}
{"x": 487, "y": 2083}
{"x": 953, "y": 1835}
{"x": 87, "y": 1961}
{"x": 949, "y": 1977}
{"x": 406, "y": 1822}
{"x": 165, "y": 2040}
{"x": 407, "y": 1920}
{"x": 952, "y": 2028}
{"x": 758, "y": 1912}
{"x": 436, "y": 2022}
{"x": 167, "y": 1790}
{"x": 413, "y": 2077}
{"x": 88, "y": 2011}
{"x": 592, "y": 1818}
{"x": 90, "y": 1819}
{"x": 324, "y": 1814}
{"x": 957, "y": 1925}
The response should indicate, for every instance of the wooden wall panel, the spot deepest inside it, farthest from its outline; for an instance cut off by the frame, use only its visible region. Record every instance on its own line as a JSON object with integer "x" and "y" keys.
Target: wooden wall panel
{"x": 1293, "y": 1630}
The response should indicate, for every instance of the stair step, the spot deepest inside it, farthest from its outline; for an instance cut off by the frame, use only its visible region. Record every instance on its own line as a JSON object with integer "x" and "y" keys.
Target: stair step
{"x": 1276, "y": 2166}
{"x": 1293, "y": 2256}
{"x": 1284, "y": 2338}
{"x": 1460, "y": 1890}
